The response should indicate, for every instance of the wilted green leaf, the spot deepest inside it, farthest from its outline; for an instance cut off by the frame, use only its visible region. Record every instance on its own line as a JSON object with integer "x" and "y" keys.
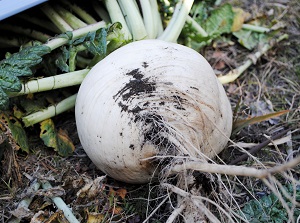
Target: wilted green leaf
{"x": 250, "y": 39}
{"x": 67, "y": 35}
{"x": 61, "y": 61}
{"x": 115, "y": 36}
{"x": 220, "y": 21}
{"x": 58, "y": 140}
{"x": 97, "y": 45}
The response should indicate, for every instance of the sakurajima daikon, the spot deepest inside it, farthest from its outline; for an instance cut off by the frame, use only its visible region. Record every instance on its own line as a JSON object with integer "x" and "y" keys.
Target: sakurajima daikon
{"x": 149, "y": 104}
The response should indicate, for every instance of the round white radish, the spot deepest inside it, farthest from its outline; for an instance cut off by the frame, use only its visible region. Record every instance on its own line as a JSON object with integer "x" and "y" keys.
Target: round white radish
{"x": 147, "y": 99}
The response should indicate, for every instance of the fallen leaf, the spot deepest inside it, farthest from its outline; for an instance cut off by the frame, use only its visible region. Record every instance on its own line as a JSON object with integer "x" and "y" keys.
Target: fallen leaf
{"x": 93, "y": 217}
{"x": 15, "y": 132}
{"x": 239, "y": 124}
{"x": 92, "y": 188}
{"x": 21, "y": 212}
{"x": 239, "y": 18}
{"x": 121, "y": 193}
{"x": 57, "y": 140}
{"x": 116, "y": 210}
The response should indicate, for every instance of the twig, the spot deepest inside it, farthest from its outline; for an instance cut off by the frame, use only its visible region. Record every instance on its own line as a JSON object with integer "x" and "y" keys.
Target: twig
{"x": 257, "y": 148}
{"x": 158, "y": 206}
{"x": 61, "y": 205}
{"x": 175, "y": 213}
{"x": 235, "y": 73}
{"x": 174, "y": 28}
{"x": 186, "y": 194}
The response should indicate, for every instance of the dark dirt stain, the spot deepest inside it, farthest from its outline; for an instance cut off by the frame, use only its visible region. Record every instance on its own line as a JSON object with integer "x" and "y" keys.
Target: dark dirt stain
{"x": 194, "y": 88}
{"x": 138, "y": 85}
{"x": 145, "y": 64}
{"x": 131, "y": 146}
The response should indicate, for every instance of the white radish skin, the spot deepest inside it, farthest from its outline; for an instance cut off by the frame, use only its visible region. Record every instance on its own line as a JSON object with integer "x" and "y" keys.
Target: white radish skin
{"x": 150, "y": 98}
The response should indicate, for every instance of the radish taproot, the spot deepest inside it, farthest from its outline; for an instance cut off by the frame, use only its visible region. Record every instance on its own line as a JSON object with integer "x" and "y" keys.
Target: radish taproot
{"x": 148, "y": 103}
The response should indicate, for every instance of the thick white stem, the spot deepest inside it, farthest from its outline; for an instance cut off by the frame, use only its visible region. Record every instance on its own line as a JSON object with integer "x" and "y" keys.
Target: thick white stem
{"x": 51, "y": 83}
{"x": 60, "y": 204}
{"x": 81, "y": 13}
{"x": 58, "y": 42}
{"x": 71, "y": 19}
{"x": 24, "y": 204}
{"x": 157, "y": 18}
{"x": 50, "y": 112}
{"x": 116, "y": 15}
{"x": 61, "y": 24}
{"x": 135, "y": 20}
{"x": 148, "y": 18}
{"x": 177, "y": 22}
{"x": 196, "y": 26}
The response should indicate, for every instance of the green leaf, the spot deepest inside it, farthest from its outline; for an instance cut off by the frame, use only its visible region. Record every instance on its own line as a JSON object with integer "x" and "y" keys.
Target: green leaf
{"x": 250, "y": 39}
{"x": 25, "y": 58}
{"x": 67, "y": 35}
{"x": 3, "y": 99}
{"x": 17, "y": 65}
{"x": 58, "y": 140}
{"x": 115, "y": 36}
{"x": 220, "y": 21}
{"x": 61, "y": 61}
{"x": 97, "y": 45}
{"x": 199, "y": 12}
{"x": 9, "y": 82}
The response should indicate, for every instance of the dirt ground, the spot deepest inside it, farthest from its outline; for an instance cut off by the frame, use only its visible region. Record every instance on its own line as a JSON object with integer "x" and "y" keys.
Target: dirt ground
{"x": 272, "y": 84}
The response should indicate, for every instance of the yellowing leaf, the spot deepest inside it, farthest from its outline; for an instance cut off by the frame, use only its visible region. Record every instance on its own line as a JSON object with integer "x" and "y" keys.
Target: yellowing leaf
{"x": 239, "y": 18}
{"x": 94, "y": 217}
{"x": 57, "y": 140}
{"x": 239, "y": 124}
{"x": 14, "y": 131}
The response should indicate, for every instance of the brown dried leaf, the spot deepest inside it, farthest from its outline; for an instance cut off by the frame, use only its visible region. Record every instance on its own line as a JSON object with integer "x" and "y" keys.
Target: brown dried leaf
{"x": 121, "y": 193}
